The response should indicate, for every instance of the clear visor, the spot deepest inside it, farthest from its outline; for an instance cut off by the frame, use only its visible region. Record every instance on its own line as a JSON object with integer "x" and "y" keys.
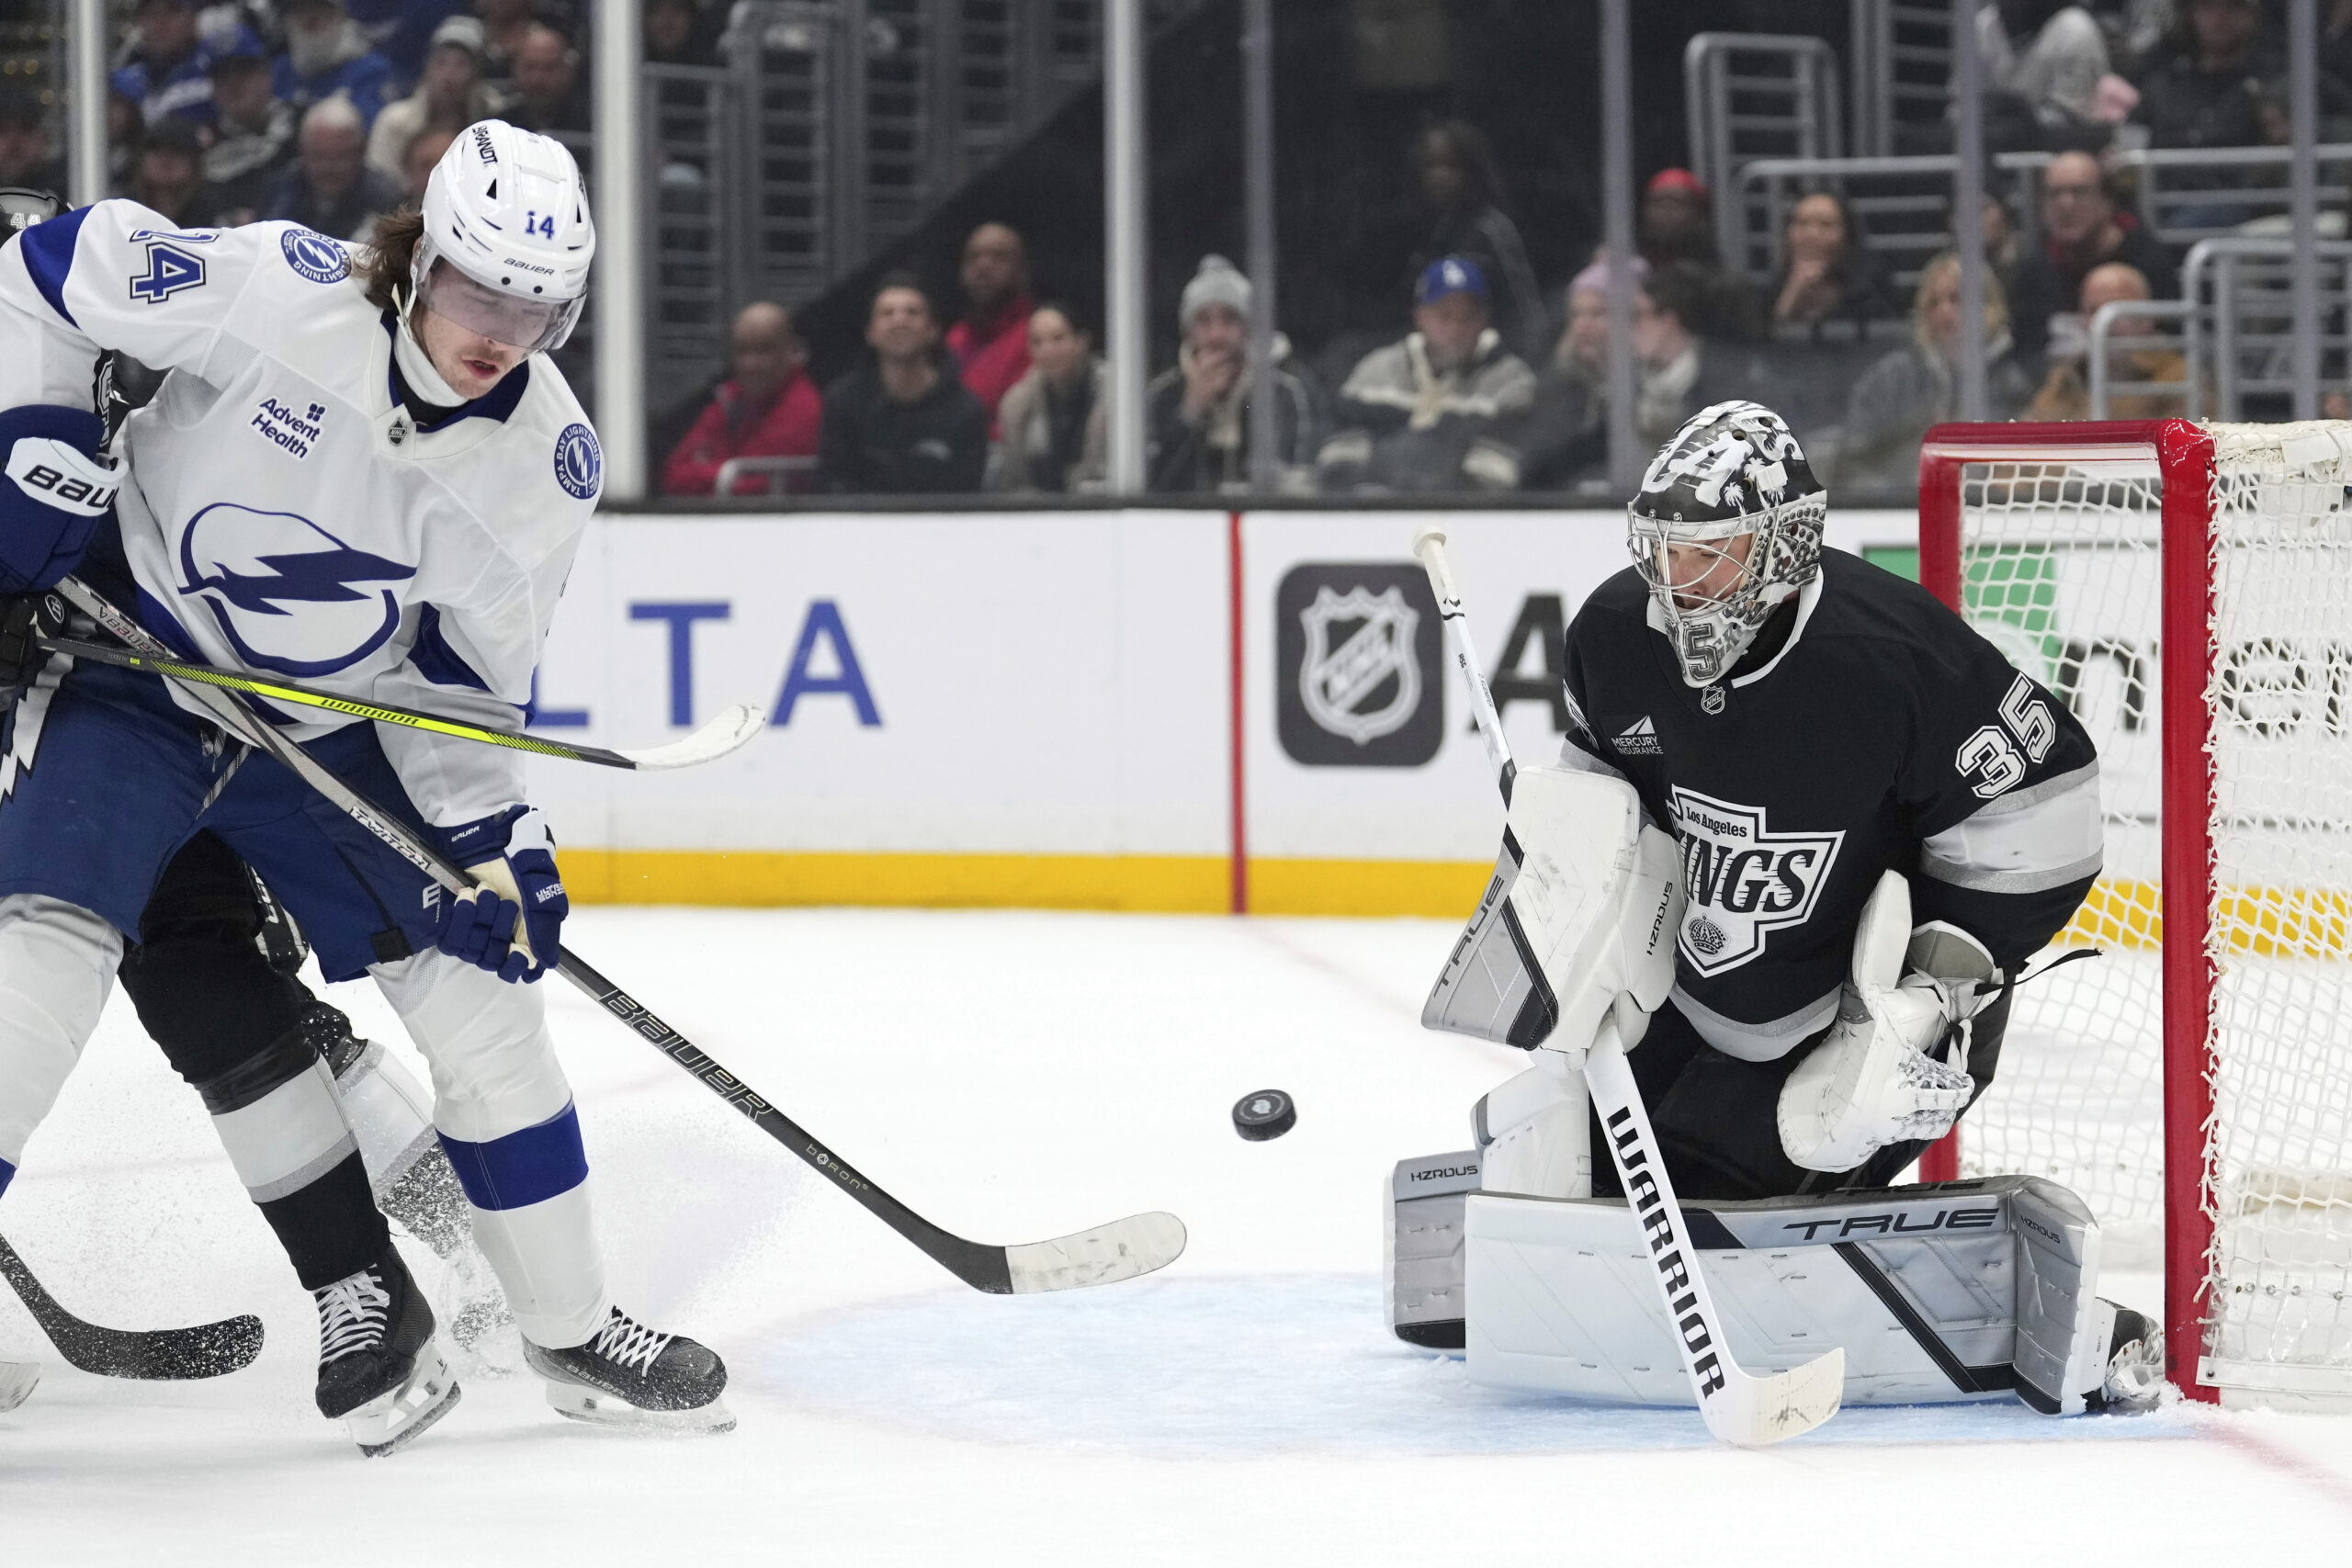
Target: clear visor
{"x": 527, "y": 325}
{"x": 1698, "y": 574}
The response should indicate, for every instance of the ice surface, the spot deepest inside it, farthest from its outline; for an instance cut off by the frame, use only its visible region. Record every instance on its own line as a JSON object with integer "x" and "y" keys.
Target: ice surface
{"x": 1016, "y": 1077}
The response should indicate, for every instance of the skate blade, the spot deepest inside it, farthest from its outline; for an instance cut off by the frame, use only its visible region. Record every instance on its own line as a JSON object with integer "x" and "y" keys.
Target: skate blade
{"x": 597, "y": 1408}
{"x": 391, "y": 1421}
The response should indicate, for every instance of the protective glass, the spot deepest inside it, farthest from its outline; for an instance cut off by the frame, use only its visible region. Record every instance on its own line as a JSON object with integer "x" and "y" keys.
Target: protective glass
{"x": 527, "y": 325}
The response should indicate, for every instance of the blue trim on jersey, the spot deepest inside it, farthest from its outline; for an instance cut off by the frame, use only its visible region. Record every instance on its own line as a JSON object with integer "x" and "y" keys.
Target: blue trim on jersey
{"x": 497, "y": 403}
{"x": 166, "y": 626}
{"x": 435, "y": 660}
{"x": 7, "y": 1174}
{"x": 521, "y": 1168}
{"x": 48, "y": 256}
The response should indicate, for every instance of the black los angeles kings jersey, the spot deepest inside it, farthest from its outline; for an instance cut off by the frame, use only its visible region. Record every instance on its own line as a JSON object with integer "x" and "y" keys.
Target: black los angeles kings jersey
{"x": 1870, "y": 728}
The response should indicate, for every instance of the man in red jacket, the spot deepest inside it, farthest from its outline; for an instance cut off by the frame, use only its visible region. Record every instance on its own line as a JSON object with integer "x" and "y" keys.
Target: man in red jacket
{"x": 991, "y": 342}
{"x": 768, "y": 408}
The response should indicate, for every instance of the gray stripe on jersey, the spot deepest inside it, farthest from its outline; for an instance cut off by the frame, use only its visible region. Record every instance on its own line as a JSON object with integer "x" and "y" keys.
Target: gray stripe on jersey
{"x": 2026, "y": 842}
{"x": 1577, "y": 759}
{"x": 1756, "y": 1041}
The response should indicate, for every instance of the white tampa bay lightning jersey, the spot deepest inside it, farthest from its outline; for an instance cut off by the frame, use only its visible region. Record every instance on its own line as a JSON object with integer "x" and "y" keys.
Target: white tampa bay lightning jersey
{"x": 283, "y": 513}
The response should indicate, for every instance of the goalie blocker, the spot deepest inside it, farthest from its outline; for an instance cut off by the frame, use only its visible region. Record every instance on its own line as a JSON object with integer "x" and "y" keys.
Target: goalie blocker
{"x": 1956, "y": 1293}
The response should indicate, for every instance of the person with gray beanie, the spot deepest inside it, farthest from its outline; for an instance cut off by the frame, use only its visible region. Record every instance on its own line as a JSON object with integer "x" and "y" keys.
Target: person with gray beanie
{"x": 1197, "y": 415}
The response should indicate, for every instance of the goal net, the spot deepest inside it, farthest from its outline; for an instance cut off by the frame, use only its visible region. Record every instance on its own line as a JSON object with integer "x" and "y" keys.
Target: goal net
{"x": 2187, "y": 591}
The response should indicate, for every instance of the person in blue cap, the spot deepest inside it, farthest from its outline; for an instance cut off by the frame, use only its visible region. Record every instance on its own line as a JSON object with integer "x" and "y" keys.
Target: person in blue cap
{"x": 1440, "y": 411}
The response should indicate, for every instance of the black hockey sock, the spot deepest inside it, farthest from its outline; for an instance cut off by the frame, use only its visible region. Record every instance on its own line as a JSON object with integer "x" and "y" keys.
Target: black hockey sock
{"x": 329, "y": 1227}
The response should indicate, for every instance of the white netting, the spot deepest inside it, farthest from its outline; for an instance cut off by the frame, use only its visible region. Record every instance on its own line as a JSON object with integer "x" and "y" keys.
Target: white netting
{"x": 2061, "y": 566}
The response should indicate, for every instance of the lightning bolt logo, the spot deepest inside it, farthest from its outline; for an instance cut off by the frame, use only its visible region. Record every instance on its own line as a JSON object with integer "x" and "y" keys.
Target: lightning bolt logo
{"x": 288, "y": 582}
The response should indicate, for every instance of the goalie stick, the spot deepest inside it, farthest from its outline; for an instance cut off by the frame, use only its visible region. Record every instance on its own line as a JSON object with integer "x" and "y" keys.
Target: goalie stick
{"x": 1740, "y": 1408}
{"x": 1103, "y": 1255}
{"x": 206, "y": 1350}
{"x": 707, "y": 744}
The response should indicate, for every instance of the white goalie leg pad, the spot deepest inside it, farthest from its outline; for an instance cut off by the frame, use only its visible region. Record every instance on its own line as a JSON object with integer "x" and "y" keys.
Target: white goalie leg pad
{"x": 1582, "y": 907}
{"x": 1534, "y": 1131}
{"x": 1872, "y": 1083}
{"x": 390, "y": 1113}
{"x": 57, "y": 964}
{"x": 1955, "y": 1293}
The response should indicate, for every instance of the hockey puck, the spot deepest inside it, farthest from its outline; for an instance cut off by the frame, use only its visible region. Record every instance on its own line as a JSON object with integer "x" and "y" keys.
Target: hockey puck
{"x": 1268, "y": 1113}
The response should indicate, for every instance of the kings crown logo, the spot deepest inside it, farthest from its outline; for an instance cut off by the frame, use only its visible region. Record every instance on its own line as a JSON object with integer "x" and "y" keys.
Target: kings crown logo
{"x": 1357, "y": 666}
{"x": 1743, "y": 881}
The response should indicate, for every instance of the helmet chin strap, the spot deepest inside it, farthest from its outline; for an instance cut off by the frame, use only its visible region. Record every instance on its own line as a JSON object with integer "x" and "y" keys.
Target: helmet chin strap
{"x": 416, "y": 365}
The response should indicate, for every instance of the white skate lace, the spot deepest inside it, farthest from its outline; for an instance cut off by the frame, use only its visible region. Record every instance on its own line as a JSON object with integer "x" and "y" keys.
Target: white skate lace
{"x": 626, "y": 1342}
{"x": 350, "y": 1316}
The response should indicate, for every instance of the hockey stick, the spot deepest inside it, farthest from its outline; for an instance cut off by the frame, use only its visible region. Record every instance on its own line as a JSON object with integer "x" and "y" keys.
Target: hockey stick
{"x": 1105, "y": 1254}
{"x": 207, "y": 1351}
{"x": 712, "y": 741}
{"x": 1740, "y": 1408}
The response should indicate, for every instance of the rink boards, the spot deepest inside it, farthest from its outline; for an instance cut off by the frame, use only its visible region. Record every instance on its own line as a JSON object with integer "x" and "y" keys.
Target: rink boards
{"x": 1171, "y": 710}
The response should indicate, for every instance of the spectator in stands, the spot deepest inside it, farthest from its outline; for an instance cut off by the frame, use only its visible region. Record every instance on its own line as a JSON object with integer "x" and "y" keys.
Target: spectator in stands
{"x": 1197, "y": 415}
{"x": 1462, "y": 190}
{"x": 766, "y": 408}
{"x": 166, "y": 71}
{"x": 681, "y": 32}
{"x": 24, "y": 144}
{"x": 505, "y": 24}
{"x": 326, "y": 55}
{"x": 168, "y": 173}
{"x": 1827, "y": 278}
{"x": 2081, "y": 228}
{"x": 1678, "y": 224}
{"x": 1567, "y": 429}
{"x": 902, "y": 423}
{"x": 417, "y": 164}
{"x": 1918, "y": 386}
{"x": 2050, "y": 60}
{"x": 547, "y": 84}
{"x": 401, "y": 31}
{"x": 1055, "y": 423}
{"x": 991, "y": 342}
{"x": 1680, "y": 368}
{"x": 1443, "y": 410}
{"x": 2204, "y": 85}
{"x": 449, "y": 96}
{"x": 253, "y": 132}
{"x": 330, "y": 186}
{"x": 2065, "y": 390}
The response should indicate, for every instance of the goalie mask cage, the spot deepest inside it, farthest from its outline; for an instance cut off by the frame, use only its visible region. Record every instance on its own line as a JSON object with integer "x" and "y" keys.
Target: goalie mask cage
{"x": 2186, "y": 590}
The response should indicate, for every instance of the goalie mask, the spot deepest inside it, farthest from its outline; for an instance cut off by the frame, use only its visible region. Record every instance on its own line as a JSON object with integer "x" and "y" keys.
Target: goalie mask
{"x": 1726, "y": 528}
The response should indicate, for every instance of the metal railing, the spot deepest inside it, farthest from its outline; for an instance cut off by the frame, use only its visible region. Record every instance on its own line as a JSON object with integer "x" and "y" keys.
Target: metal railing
{"x": 1750, "y": 96}
{"x": 776, "y": 473}
{"x": 1902, "y": 72}
{"x": 2181, "y": 396}
{"x": 2245, "y": 332}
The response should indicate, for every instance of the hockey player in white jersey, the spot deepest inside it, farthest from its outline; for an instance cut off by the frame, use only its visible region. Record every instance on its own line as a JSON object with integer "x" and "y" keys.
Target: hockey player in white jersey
{"x": 361, "y": 470}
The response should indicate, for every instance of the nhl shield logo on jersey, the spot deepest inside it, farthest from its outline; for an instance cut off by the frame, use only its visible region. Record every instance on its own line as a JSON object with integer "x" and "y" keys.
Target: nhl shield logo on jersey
{"x": 1743, "y": 880}
{"x": 1357, "y": 656}
{"x": 250, "y": 569}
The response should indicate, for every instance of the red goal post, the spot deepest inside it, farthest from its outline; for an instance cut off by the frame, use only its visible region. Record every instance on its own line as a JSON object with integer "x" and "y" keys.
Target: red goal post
{"x": 2195, "y": 1087}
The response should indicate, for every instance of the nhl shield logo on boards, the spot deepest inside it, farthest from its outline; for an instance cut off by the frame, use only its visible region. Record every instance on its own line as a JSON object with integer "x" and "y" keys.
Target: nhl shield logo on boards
{"x": 1743, "y": 881}
{"x": 1358, "y": 667}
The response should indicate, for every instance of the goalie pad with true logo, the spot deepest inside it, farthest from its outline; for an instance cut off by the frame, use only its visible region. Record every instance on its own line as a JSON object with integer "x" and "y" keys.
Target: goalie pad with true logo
{"x": 1582, "y": 909}
{"x": 1958, "y": 1292}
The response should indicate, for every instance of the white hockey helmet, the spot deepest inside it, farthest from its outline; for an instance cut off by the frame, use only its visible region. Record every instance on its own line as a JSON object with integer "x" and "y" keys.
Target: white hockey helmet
{"x": 506, "y": 209}
{"x": 1734, "y": 470}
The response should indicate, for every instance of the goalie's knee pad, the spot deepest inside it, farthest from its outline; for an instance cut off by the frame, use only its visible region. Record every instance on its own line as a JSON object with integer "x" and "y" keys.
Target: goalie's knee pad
{"x": 1534, "y": 1133}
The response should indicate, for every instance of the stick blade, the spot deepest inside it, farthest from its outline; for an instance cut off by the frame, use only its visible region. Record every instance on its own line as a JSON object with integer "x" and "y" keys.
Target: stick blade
{"x": 1754, "y": 1413}
{"x": 1123, "y": 1249}
{"x": 16, "y": 1380}
{"x": 161, "y": 1355}
{"x": 730, "y": 730}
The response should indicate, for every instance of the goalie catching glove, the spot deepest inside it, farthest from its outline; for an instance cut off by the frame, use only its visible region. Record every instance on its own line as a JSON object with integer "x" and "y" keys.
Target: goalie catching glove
{"x": 1893, "y": 1068}
{"x": 513, "y": 924}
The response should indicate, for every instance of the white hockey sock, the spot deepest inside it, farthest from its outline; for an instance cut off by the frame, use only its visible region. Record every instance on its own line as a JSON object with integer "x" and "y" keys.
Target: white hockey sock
{"x": 57, "y": 964}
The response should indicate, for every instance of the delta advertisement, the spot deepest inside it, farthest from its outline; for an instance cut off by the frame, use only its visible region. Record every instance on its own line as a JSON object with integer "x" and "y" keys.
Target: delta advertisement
{"x": 1199, "y": 711}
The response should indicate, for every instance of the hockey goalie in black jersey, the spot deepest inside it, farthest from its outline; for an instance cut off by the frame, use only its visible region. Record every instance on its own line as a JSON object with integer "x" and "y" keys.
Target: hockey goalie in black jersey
{"x": 1878, "y": 820}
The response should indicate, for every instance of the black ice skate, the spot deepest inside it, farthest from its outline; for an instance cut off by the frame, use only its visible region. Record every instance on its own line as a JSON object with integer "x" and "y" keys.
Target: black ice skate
{"x": 379, "y": 1370}
{"x": 628, "y": 1375}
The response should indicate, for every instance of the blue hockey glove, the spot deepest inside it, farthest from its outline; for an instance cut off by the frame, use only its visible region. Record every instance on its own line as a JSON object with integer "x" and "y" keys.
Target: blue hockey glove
{"x": 56, "y": 490}
{"x": 514, "y": 925}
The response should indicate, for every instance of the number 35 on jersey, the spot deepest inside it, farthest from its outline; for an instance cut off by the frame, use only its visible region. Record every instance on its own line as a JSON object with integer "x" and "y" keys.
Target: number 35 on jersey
{"x": 1992, "y": 758}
